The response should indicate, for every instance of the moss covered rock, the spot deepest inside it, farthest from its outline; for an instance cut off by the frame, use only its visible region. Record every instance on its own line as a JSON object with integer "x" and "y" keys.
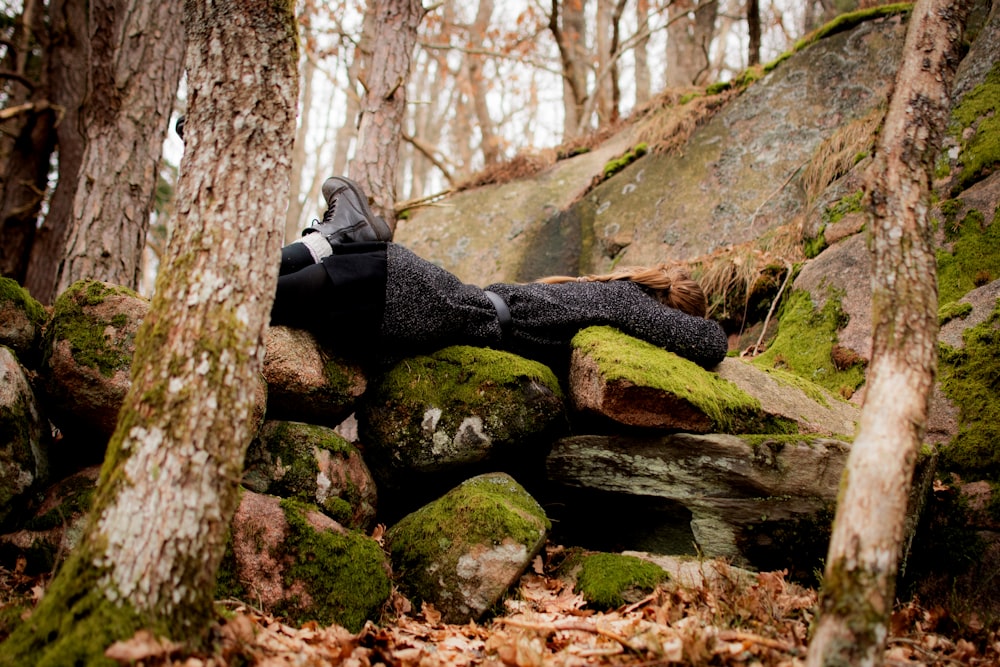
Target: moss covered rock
{"x": 638, "y": 384}
{"x": 296, "y": 562}
{"x": 456, "y": 408}
{"x": 23, "y": 447}
{"x": 21, "y": 320}
{"x": 315, "y": 465}
{"x": 87, "y": 358}
{"x": 305, "y": 382}
{"x": 462, "y": 552}
{"x": 607, "y": 580}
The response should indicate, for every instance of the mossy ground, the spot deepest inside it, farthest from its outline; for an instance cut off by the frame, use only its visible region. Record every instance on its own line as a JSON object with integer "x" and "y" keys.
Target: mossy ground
{"x": 608, "y": 581}
{"x": 970, "y": 377}
{"x": 343, "y": 574}
{"x": 622, "y": 357}
{"x": 974, "y": 259}
{"x": 805, "y": 341}
{"x": 980, "y": 152}
{"x": 483, "y": 510}
{"x": 85, "y": 334}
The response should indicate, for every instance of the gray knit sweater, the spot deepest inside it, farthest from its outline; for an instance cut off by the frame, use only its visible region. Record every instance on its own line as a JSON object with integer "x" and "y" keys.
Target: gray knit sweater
{"x": 427, "y": 308}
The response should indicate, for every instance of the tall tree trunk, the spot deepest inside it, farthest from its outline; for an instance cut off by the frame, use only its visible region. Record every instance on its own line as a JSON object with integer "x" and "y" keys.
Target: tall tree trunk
{"x": 384, "y": 105}
{"x": 491, "y": 142}
{"x": 27, "y": 152}
{"x": 859, "y": 583}
{"x": 137, "y": 59}
{"x": 570, "y": 31}
{"x": 296, "y": 205}
{"x": 68, "y": 66}
{"x": 688, "y": 41}
{"x": 753, "y": 29}
{"x": 643, "y": 81}
{"x": 168, "y": 489}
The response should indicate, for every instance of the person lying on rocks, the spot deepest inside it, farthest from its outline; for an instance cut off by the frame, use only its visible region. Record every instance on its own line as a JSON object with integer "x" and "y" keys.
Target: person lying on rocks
{"x": 346, "y": 282}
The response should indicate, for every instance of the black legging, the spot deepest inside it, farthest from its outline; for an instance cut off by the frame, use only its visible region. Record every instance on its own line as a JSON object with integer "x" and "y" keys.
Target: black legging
{"x": 341, "y": 300}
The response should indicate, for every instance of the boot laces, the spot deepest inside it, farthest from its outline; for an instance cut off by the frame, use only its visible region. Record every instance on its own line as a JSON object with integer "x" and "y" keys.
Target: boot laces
{"x": 330, "y": 211}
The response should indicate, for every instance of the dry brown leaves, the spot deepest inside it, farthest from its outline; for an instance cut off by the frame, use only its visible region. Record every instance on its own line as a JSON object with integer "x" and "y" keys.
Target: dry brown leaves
{"x": 732, "y": 619}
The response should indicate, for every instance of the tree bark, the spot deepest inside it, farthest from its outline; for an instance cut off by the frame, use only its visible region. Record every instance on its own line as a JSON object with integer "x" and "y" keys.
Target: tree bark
{"x": 688, "y": 41}
{"x": 137, "y": 58}
{"x": 753, "y": 30}
{"x": 643, "y": 81}
{"x": 859, "y": 583}
{"x": 570, "y": 33}
{"x": 168, "y": 488}
{"x": 384, "y": 106}
{"x": 67, "y": 82}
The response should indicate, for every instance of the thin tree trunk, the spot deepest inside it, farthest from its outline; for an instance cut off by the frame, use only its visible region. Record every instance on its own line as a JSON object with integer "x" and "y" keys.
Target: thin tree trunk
{"x": 138, "y": 53}
{"x": 688, "y": 41}
{"x": 295, "y": 204}
{"x": 643, "y": 81}
{"x": 570, "y": 36}
{"x": 68, "y": 65}
{"x": 169, "y": 486}
{"x": 753, "y": 29}
{"x": 859, "y": 583}
{"x": 384, "y": 106}
{"x": 474, "y": 68}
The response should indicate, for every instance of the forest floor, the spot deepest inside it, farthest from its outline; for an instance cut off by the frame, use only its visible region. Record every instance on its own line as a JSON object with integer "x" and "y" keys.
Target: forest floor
{"x": 725, "y": 617}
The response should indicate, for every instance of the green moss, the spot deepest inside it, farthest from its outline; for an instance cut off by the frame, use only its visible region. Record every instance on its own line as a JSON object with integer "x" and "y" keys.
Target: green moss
{"x": 622, "y": 357}
{"x": 718, "y": 87}
{"x": 616, "y": 165}
{"x": 974, "y": 259}
{"x": 11, "y": 291}
{"x": 805, "y": 341}
{"x": 607, "y": 580}
{"x": 978, "y": 110}
{"x": 483, "y": 510}
{"x": 970, "y": 377}
{"x": 687, "y": 97}
{"x": 812, "y": 247}
{"x": 85, "y": 332}
{"x": 344, "y": 575}
{"x": 953, "y": 310}
{"x": 458, "y": 379}
{"x": 850, "y": 204}
{"x": 74, "y": 623}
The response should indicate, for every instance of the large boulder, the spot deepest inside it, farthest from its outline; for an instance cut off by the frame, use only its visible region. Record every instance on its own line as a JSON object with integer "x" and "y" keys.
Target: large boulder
{"x": 463, "y": 552}
{"x": 23, "y": 437}
{"x": 458, "y": 411}
{"x": 306, "y": 382}
{"x": 638, "y": 384}
{"x": 739, "y": 492}
{"x": 294, "y": 561}
{"x": 87, "y": 360}
{"x": 315, "y": 465}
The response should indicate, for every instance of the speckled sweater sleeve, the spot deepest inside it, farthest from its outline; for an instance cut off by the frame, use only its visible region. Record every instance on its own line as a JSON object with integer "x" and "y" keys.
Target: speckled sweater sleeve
{"x": 428, "y": 308}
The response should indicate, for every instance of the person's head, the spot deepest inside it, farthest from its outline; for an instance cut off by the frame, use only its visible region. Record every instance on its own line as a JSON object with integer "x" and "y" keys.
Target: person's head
{"x": 670, "y": 285}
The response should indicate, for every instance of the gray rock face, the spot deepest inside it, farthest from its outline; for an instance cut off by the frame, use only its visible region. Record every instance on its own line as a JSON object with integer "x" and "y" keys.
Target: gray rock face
{"x": 731, "y": 485}
{"x": 462, "y": 552}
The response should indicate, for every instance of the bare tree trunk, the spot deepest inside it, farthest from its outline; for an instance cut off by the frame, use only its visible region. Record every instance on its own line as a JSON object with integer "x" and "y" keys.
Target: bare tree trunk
{"x": 491, "y": 142}
{"x": 570, "y": 33}
{"x": 26, "y": 154}
{"x": 295, "y": 204}
{"x": 68, "y": 68}
{"x": 643, "y": 81}
{"x": 859, "y": 582}
{"x": 688, "y": 41}
{"x": 168, "y": 489}
{"x": 605, "y": 44}
{"x": 753, "y": 29}
{"x": 384, "y": 105}
{"x": 138, "y": 52}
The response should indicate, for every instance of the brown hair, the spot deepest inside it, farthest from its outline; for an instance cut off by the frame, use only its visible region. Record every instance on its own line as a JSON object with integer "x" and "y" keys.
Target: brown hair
{"x": 670, "y": 285}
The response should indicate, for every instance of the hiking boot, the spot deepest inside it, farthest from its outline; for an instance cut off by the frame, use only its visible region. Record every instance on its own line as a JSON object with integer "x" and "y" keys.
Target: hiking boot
{"x": 348, "y": 218}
